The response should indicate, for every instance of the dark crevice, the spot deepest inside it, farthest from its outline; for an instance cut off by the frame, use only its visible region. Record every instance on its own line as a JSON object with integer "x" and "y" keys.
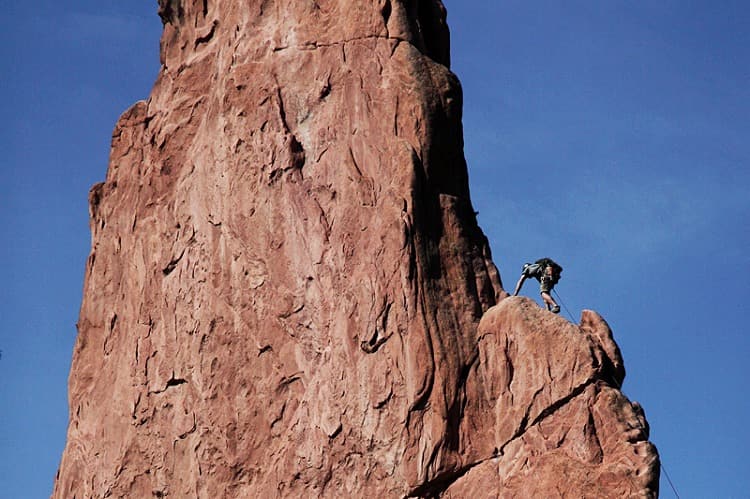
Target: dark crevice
{"x": 280, "y": 415}
{"x": 264, "y": 349}
{"x": 208, "y": 36}
{"x": 354, "y": 162}
{"x": 383, "y": 402}
{"x": 282, "y": 111}
{"x": 386, "y": 11}
{"x": 326, "y": 90}
{"x": 173, "y": 263}
{"x": 435, "y": 487}
{"x": 336, "y": 432}
{"x": 509, "y": 364}
{"x": 297, "y": 159}
{"x": 374, "y": 343}
{"x": 170, "y": 11}
{"x": 608, "y": 371}
{"x": 171, "y": 382}
{"x": 456, "y": 409}
{"x": 378, "y": 337}
{"x": 433, "y": 31}
{"x": 175, "y": 382}
{"x": 313, "y": 45}
{"x": 592, "y": 424}
{"x": 285, "y": 382}
{"x": 453, "y": 423}
{"x": 297, "y": 153}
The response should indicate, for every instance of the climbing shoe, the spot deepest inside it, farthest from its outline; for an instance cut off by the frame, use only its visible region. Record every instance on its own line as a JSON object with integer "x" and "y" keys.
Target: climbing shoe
{"x": 556, "y": 309}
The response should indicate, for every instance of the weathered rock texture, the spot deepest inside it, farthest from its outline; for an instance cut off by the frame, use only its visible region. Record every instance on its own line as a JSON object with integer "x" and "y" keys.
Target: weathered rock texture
{"x": 286, "y": 283}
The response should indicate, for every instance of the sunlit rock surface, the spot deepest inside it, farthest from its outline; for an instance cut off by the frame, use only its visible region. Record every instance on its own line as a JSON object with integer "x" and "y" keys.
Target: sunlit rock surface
{"x": 286, "y": 282}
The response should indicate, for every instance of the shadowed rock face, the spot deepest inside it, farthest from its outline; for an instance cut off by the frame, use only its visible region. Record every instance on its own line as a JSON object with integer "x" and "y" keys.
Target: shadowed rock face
{"x": 286, "y": 283}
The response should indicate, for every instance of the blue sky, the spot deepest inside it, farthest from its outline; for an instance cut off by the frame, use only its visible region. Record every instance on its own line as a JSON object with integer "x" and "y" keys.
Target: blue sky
{"x": 611, "y": 136}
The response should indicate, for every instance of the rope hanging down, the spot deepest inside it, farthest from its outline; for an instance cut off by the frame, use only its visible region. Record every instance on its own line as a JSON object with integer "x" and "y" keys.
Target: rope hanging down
{"x": 669, "y": 479}
{"x": 661, "y": 462}
{"x": 564, "y": 306}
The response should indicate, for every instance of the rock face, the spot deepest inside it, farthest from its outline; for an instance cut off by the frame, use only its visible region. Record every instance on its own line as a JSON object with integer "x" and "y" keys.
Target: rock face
{"x": 288, "y": 294}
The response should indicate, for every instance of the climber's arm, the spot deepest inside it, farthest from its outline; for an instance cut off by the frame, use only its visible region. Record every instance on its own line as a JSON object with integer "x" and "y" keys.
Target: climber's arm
{"x": 519, "y": 284}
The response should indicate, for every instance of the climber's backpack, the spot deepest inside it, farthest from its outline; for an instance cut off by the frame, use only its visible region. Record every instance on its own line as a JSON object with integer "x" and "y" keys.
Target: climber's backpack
{"x": 536, "y": 269}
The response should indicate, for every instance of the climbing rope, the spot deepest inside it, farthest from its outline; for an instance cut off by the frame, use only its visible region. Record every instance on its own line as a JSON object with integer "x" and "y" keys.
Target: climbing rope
{"x": 669, "y": 479}
{"x": 564, "y": 306}
{"x": 661, "y": 461}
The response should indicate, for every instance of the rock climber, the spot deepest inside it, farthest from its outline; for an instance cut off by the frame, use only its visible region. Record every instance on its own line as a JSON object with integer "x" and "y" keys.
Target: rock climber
{"x": 547, "y": 272}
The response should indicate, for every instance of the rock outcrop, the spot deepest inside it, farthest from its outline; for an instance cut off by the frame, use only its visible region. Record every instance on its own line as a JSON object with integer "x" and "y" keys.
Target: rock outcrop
{"x": 288, "y": 294}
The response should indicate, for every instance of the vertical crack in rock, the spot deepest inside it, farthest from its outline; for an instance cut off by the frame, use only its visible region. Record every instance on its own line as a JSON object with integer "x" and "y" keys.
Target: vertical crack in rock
{"x": 170, "y": 11}
{"x": 380, "y": 330}
{"x": 386, "y": 11}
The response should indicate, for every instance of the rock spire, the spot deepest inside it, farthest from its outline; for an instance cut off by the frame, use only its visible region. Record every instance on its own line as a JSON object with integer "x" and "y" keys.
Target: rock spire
{"x": 288, "y": 294}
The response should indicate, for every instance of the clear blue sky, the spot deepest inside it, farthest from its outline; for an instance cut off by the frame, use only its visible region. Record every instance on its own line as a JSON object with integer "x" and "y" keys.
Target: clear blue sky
{"x": 612, "y": 136}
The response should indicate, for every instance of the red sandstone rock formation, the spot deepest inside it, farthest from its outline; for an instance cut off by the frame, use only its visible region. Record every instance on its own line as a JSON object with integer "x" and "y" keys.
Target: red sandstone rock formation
{"x": 286, "y": 282}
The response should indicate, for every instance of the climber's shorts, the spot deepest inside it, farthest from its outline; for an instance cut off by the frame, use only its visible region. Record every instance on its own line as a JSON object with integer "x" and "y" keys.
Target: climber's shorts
{"x": 546, "y": 285}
